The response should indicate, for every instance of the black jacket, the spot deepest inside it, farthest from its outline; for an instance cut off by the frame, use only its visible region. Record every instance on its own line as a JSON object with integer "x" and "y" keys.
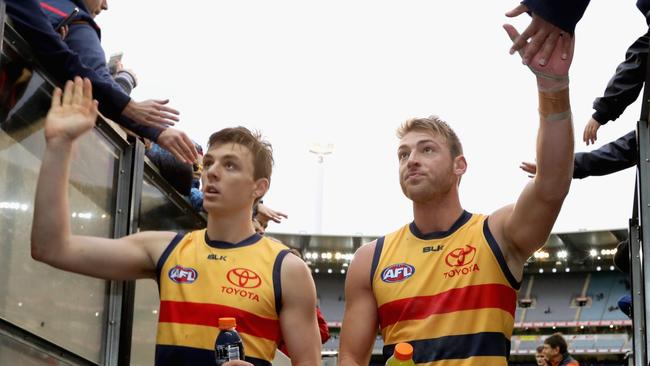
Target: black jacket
{"x": 613, "y": 157}
{"x": 565, "y": 14}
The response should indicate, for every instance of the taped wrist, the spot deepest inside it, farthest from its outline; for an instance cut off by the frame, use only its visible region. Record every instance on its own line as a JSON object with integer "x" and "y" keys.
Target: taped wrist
{"x": 554, "y": 105}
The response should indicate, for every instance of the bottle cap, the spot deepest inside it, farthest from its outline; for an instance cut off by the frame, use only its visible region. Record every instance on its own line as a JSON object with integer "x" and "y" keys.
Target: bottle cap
{"x": 403, "y": 351}
{"x": 227, "y": 323}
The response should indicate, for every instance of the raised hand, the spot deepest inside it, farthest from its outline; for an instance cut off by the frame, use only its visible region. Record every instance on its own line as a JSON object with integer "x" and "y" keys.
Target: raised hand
{"x": 73, "y": 111}
{"x": 590, "y": 135}
{"x": 543, "y": 36}
{"x": 557, "y": 63}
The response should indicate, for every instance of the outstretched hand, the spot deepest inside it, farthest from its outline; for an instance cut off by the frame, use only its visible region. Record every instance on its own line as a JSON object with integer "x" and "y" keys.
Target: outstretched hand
{"x": 268, "y": 213}
{"x": 543, "y": 36}
{"x": 179, "y": 144}
{"x": 558, "y": 62}
{"x": 530, "y": 168}
{"x": 154, "y": 113}
{"x": 590, "y": 135}
{"x": 72, "y": 113}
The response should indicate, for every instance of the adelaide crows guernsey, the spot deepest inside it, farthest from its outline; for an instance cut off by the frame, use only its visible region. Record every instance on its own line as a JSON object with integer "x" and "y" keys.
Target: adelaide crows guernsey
{"x": 449, "y": 294}
{"x": 201, "y": 281}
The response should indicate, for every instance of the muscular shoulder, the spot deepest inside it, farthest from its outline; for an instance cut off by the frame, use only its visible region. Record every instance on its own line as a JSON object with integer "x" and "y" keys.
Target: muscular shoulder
{"x": 366, "y": 251}
{"x": 361, "y": 266}
{"x": 154, "y": 242}
{"x": 294, "y": 266}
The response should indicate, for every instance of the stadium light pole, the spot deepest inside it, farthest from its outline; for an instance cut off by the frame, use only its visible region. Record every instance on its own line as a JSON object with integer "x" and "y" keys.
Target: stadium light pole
{"x": 320, "y": 151}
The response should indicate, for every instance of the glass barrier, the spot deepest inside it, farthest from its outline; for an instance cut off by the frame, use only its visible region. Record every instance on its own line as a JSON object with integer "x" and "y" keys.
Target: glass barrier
{"x": 66, "y": 309}
{"x": 157, "y": 212}
{"x": 13, "y": 352}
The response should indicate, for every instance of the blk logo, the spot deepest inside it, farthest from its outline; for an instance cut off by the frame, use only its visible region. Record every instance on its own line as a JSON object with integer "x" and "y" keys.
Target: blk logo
{"x": 180, "y": 274}
{"x": 433, "y": 249}
{"x": 217, "y": 257}
{"x": 397, "y": 272}
{"x": 461, "y": 256}
{"x": 244, "y": 278}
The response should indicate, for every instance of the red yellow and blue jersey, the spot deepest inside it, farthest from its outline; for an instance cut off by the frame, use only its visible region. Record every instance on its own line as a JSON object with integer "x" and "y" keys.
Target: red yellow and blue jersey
{"x": 201, "y": 281}
{"x": 449, "y": 294}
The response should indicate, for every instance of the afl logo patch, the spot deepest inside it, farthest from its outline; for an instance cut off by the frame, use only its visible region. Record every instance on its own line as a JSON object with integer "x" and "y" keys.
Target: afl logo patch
{"x": 397, "y": 272}
{"x": 180, "y": 274}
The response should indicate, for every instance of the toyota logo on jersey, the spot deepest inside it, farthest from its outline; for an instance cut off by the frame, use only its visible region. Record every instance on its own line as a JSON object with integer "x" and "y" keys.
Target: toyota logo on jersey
{"x": 243, "y": 277}
{"x": 461, "y": 256}
{"x": 397, "y": 272}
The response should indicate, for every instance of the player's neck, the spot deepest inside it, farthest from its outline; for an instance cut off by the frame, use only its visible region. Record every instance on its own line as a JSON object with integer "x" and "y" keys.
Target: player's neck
{"x": 230, "y": 228}
{"x": 437, "y": 215}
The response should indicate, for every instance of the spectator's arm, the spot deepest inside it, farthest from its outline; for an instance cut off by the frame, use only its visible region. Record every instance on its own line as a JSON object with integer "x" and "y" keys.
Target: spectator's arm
{"x": 84, "y": 38}
{"x": 59, "y": 60}
{"x": 613, "y": 157}
{"x": 564, "y": 14}
{"x": 624, "y": 87}
{"x": 126, "y": 80}
{"x": 61, "y": 63}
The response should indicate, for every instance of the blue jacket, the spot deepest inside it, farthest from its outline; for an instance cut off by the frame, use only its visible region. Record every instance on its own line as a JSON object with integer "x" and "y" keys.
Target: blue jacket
{"x": 62, "y": 62}
{"x": 565, "y": 14}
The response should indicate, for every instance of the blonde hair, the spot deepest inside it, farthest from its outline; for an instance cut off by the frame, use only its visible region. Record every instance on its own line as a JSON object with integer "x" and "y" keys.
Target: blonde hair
{"x": 436, "y": 126}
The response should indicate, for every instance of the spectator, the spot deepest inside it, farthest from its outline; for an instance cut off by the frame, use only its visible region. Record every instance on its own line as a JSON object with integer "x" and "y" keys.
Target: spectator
{"x": 196, "y": 196}
{"x": 177, "y": 173}
{"x": 539, "y": 356}
{"x": 63, "y": 62}
{"x": 125, "y": 78}
{"x": 610, "y": 158}
{"x": 623, "y": 88}
{"x": 263, "y": 214}
{"x": 556, "y": 351}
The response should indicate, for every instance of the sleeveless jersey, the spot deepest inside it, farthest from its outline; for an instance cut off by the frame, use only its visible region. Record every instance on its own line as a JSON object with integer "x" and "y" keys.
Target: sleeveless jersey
{"x": 449, "y": 294}
{"x": 201, "y": 281}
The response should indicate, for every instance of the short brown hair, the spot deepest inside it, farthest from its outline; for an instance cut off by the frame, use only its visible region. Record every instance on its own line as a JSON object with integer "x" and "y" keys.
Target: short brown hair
{"x": 438, "y": 127}
{"x": 540, "y": 349}
{"x": 261, "y": 149}
{"x": 557, "y": 341}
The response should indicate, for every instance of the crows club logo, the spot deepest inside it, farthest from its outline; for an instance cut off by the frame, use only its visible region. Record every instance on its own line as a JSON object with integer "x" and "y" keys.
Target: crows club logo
{"x": 461, "y": 261}
{"x": 244, "y": 278}
{"x": 461, "y": 256}
{"x": 397, "y": 272}
{"x": 180, "y": 274}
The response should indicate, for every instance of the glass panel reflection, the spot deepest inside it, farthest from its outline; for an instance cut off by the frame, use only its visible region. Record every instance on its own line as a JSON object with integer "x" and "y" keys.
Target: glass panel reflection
{"x": 64, "y": 308}
{"x": 13, "y": 352}
{"x": 157, "y": 212}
